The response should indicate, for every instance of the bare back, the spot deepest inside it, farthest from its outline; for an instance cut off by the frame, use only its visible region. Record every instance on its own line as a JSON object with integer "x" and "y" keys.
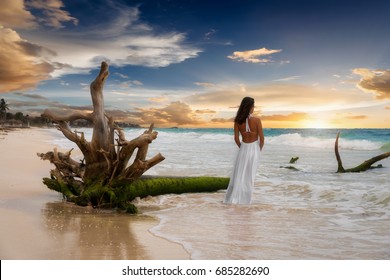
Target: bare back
{"x": 251, "y": 130}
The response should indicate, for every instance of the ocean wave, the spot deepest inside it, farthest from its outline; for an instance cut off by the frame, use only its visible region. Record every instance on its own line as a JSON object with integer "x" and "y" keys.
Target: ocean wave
{"x": 296, "y": 139}
{"x": 301, "y": 138}
{"x": 385, "y": 147}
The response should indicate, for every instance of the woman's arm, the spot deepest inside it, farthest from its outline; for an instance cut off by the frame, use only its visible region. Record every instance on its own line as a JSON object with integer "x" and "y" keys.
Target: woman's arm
{"x": 236, "y": 135}
{"x": 261, "y": 134}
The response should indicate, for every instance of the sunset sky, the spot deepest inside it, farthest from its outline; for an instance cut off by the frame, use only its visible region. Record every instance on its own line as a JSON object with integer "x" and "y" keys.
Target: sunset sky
{"x": 322, "y": 64}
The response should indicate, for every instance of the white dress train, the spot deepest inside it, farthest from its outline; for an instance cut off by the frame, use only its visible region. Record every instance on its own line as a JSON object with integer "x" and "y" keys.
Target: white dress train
{"x": 243, "y": 175}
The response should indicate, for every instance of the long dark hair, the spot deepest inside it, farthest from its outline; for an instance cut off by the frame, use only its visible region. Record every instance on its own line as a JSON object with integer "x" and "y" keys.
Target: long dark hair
{"x": 244, "y": 109}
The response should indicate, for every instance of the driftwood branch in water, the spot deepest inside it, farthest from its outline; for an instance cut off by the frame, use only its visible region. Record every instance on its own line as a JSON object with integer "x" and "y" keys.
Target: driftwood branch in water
{"x": 360, "y": 168}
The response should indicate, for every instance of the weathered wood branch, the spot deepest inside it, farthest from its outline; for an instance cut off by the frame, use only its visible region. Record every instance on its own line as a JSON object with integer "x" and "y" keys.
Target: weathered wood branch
{"x": 128, "y": 147}
{"x": 340, "y": 168}
{"x": 360, "y": 168}
{"x": 79, "y": 140}
{"x": 139, "y": 167}
{"x": 64, "y": 163}
{"x": 101, "y": 134}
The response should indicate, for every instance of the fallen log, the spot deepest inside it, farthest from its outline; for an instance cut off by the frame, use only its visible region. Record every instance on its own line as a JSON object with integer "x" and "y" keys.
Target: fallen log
{"x": 121, "y": 193}
{"x": 360, "y": 168}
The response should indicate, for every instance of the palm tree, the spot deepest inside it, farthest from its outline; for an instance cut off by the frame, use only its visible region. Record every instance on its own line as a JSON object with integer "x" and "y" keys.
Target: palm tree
{"x": 3, "y": 108}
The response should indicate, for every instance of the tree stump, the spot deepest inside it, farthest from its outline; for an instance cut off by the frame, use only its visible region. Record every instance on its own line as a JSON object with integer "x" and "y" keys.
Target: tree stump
{"x": 106, "y": 159}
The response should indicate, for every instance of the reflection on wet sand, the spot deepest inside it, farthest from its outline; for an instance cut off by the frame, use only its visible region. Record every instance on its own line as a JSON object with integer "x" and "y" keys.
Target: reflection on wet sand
{"x": 86, "y": 233}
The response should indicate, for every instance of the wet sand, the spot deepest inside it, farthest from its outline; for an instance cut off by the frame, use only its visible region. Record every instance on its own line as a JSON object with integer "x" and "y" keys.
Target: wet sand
{"x": 37, "y": 224}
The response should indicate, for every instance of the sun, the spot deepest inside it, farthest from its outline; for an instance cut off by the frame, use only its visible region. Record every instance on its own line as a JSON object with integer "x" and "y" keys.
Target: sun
{"x": 316, "y": 123}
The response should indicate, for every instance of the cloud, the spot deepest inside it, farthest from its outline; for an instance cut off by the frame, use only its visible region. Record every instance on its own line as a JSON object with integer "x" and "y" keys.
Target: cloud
{"x": 123, "y": 39}
{"x": 63, "y": 83}
{"x": 13, "y": 14}
{"x": 377, "y": 81}
{"x": 123, "y": 76}
{"x": 206, "y": 111}
{"x": 31, "y": 14}
{"x": 226, "y": 98}
{"x": 210, "y": 38}
{"x": 222, "y": 120}
{"x": 32, "y": 103}
{"x": 204, "y": 84}
{"x": 242, "y": 88}
{"x": 22, "y": 65}
{"x": 52, "y": 12}
{"x": 128, "y": 84}
{"x": 137, "y": 83}
{"x": 176, "y": 113}
{"x": 287, "y": 79}
{"x": 208, "y": 35}
{"x": 356, "y": 117}
{"x": 253, "y": 56}
{"x": 295, "y": 117}
{"x": 279, "y": 97}
{"x": 269, "y": 119}
{"x": 159, "y": 99}
{"x": 32, "y": 96}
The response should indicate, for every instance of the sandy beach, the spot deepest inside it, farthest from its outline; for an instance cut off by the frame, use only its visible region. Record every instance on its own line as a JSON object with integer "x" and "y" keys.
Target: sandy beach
{"x": 37, "y": 224}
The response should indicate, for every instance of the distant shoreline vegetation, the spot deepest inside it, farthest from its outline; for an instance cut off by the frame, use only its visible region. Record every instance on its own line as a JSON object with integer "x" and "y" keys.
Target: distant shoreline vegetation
{"x": 21, "y": 120}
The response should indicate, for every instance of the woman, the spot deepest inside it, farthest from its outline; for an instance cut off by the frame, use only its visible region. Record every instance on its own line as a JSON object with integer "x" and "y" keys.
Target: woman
{"x": 242, "y": 179}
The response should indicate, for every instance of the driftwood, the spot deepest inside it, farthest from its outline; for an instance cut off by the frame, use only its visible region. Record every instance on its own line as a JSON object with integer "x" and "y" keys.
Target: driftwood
{"x": 106, "y": 159}
{"x": 105, "y": 177}
{"x": 103, "y": 159}
{"x": 293, "y": 160}
{"x": 360, "y": 168}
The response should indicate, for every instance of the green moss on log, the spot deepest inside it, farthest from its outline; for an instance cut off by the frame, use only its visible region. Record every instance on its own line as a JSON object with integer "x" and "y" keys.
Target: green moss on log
{"x": 293, "y": 168}
{"x": 63, "y": 188}
{"x": 131, "y": 209}
{"x": 120, "y": 193}
{"x": 175, "y": 185}
{"x": 294, "y": 159}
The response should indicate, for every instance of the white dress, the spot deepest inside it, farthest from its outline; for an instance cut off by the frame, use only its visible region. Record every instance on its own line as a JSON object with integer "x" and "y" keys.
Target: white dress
{"x": 243, "y": 175}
